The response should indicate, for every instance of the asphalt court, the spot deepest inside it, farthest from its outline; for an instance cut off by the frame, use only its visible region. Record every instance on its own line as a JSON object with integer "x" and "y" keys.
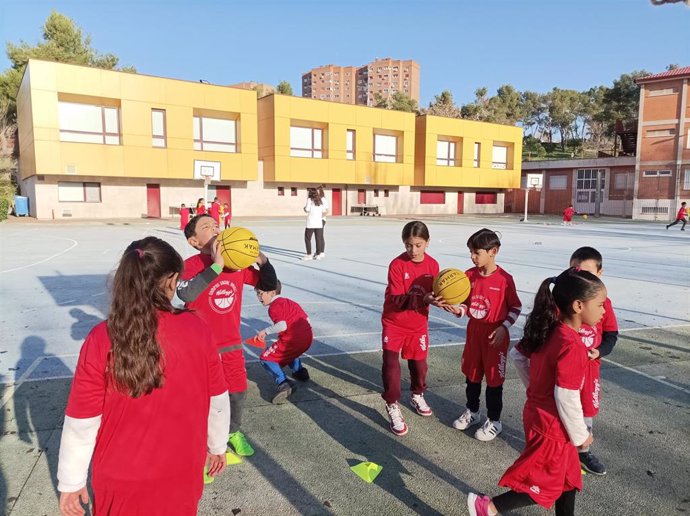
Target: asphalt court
{"x": 53, "y": 286}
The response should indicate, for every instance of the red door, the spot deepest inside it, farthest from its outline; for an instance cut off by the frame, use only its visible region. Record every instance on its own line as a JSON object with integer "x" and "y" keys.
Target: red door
{"x": 336, "y": 202}
{"x": 224, "y": 196}
{"x": 153, "y": 201}
{"x": 361, "y": 196}
{"x": 461, "y": 206}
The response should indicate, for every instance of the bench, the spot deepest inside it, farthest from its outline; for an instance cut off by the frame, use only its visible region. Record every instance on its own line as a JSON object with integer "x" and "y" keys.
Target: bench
{"x": 365, "y": 209}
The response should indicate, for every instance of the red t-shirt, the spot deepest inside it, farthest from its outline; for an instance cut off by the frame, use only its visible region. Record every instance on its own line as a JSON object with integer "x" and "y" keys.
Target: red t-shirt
{"x": 215, "y": 211}
{"x": 408, "y": 277}
{"x": 136, "y": 436}
{"x": 561, "y": 361}
{"x": 184, "y": 217}
{"x": 568, "y": 214}
{"x": 591, "y": 337}
{"x": 298, "y": 327}
{"x": 681, "y": 213}
{"x": 220, "y": 304}
{"x": 492, "y": 296}
{"x": 201, "y": 210}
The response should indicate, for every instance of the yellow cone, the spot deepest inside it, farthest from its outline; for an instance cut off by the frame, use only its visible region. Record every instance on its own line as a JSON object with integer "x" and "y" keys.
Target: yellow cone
{"x": 367, "y": 471}
{"x": 207, "y": 479}
{"x": 231, "y": 458}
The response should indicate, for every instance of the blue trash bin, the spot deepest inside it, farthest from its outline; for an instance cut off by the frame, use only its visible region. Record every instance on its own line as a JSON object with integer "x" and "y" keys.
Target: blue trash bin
{"x": 21, "y": 206}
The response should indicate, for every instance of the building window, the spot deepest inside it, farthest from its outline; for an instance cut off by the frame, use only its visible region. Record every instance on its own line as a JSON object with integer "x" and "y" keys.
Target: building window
{"x": 686, "y": 179}
{"x": 445, "y": 153}
{"x": 587, "y": 178}
{"x": 281, "y": 191}
{"x": 293, "y": 191}
{"x": 376, "y": 192}
{"x": 662, "y": 91}
{"x": 427, "y": 197}
{"x": 350, "y": 144}
{"x": 499, "y": 158}
{"x": 660, "y": 133}
{"x": 385, "y": 193}
{"x": 86, "y": 123}
{"x": 158, "y": 128}
{"x": 69, "y": 191}
{"x": 306, "y": 142}
{"x": 558, "y": 182}
{"x": 477, "y": 153}
{"x": 485, "y": 198}
{"x": 623, "y": 181}
{"x": 656, "y": 173}
{"x": 215, "y": 134}
{"x": 385, "y": 148}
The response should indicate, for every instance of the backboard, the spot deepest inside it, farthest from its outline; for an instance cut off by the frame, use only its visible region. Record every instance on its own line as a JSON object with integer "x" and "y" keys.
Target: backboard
{"x": 207, "y": 170}
{"x": 535, "y": 181}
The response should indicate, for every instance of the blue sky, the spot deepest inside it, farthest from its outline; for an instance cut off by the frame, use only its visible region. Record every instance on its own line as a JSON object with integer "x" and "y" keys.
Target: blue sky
{"x": 460, "y": 45}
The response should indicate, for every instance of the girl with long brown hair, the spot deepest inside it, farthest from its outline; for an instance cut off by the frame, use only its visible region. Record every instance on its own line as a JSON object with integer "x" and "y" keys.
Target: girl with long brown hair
{"x": 148, "y": 406}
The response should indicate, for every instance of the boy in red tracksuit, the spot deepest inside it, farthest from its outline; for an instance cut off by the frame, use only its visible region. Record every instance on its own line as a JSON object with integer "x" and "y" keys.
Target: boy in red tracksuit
{"x": 215, "y": 294}
{"x": 184, "y": 216}
{"x": 568, "y": 214}
{"x": 681, "y": 216}
{"x": 215, "y": 210}
{"x": 493, "y": 307}
{"x": 295, "y": 336}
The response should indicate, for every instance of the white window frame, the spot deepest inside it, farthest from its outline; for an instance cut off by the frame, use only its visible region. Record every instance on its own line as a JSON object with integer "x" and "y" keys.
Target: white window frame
{"x": 477, "y": 154}
{"x": 77, "y": 191}
{"x": 445, "y": 153}
{"x": 203, "y": 124}
{"x": 350, "y": 141}
{"x": 105, "y": 124}
{"x": 382, "y": 144}
{"x": 499, "y": 157}
{"x": 660, "y": 133}
{"x": 656, "y": 173}
{"x": 558, "y": 182}
{"x": 158, "y": 134}
{"x": 686, "y": 179}
{"x": 313, "y": 147}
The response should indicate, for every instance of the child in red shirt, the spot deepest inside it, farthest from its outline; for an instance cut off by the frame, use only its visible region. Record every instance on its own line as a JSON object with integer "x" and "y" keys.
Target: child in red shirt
{"x": 215, "y": 210}
{"x": 184, "y": 216}
{"x": 226, "y": 215}
{"x": 568, "y": 214}
{"x": 681, "y": 216}
{"x": 215, "y": 294}
{"x": 200, "y": 207}
{"x": 294, "y": 337}
{"x": 493, "y": 307}
{"x": 405, "y": 323}
{"x": 145, "y": 408}
{"x": 548, "y": 469}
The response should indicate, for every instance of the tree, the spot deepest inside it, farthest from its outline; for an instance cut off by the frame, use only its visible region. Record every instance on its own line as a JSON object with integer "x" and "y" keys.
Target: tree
{"x": 622, "y": 100}
{"x": 479, "y": 109}
{"x": 506, "y": 106}
{"x": 284, "y": 88}
{"x": 563, "y": 107}
{"x": 534, "y": 113}
{"x": 63, "y": 42}
{"x": 380, "y": 101}
{"x": 401, "y": 102}
{"x": 443, "y": 105}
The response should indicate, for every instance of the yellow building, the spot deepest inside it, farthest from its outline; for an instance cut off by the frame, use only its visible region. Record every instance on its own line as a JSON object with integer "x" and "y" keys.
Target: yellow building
{"x": 104, "y": 144}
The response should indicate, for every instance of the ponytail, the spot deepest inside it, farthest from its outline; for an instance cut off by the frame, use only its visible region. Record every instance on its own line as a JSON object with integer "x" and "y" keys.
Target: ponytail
{"x": 550, "y": 305}
{"x": 136, "y": 362}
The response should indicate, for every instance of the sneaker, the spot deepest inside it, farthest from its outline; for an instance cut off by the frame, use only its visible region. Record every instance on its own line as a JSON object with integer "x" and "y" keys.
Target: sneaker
{"x": 478, "y": 504}
{"x": 591, "y": 464}
{"x": 239, "y": 443}
{"x": 319, "y": 256}
{"x": 467, "y": 419}
{"x": 397, "y": 423}
{"x": 307, "y": 257}
{"x": 420, "y": 405}
{"x": 283, "y": 390}
{"x": 301, "y": 374}
{"x": 489, "y": 430}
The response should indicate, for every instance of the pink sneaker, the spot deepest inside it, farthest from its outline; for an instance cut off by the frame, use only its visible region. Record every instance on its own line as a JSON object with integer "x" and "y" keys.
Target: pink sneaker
{"x": 478, "y": 504}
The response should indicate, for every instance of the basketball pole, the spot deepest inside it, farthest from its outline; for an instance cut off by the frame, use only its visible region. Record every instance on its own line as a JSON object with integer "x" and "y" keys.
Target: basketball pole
{"x": 526, "y": 201}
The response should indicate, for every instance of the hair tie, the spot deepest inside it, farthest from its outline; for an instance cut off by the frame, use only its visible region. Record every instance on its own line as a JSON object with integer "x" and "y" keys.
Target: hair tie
{"x": 139, "y": 252}
{"x": 553, "y": 280}
{"x": 578, "y": 269}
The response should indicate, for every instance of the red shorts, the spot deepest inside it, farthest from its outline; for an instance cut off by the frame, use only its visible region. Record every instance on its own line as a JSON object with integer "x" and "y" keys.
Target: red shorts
{"x": 546, "y": 468}
{"x": 591, "y": 389}
{"x": 234, "y": 370}
{"x": 479, "y": 359}
{"x": 283, "y": 352}
{"x": 414, "y": 346}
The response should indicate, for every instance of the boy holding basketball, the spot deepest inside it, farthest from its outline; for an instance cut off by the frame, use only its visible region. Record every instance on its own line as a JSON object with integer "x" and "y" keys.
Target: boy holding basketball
{"x": 215, "y": 293}
{"x": 493, "y": 307}
{"x": 294, "y": 337}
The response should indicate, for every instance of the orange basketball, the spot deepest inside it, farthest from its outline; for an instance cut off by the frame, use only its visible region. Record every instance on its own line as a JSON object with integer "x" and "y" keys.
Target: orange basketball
{"x": 239, "y": 247}
{"x": 452, "y": 285}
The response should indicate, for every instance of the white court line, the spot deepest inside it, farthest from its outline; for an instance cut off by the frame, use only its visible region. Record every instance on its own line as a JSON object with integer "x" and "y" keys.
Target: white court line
{"x": 12, "y": 388}
{"x": 648, "y": 376}
{"x": 75, "y": 243}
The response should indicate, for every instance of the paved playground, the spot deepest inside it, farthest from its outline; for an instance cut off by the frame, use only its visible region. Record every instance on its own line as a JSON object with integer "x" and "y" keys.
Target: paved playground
{"x": 53, "y": 289}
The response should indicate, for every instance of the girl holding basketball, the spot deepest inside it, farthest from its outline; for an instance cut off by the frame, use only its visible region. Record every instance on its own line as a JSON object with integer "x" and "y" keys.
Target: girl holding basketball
{"x": 136, "y": 370}
{"x": 493, "y": 307}
{"x": 548, "y": 469}
{"x": 405, "y": 323}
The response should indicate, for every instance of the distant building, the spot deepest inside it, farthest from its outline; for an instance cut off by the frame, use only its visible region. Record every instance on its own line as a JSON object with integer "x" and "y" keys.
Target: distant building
{"x": 260, "y": 88}
{"x": 361, "y": 85}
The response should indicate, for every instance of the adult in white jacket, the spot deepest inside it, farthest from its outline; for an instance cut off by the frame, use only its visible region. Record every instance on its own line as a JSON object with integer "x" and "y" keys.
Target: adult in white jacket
{"x": 316, "y": 209}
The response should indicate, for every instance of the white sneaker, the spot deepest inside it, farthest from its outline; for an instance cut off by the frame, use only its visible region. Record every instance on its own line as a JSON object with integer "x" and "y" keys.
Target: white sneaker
{"x": 397, "y": 423}
{"x": 489, "y": 430}
{"x": 307, "y": 257}
{"x": 467, "y": 419}
{"x": 420, "y": 405}
{"x": 319, "y": 256}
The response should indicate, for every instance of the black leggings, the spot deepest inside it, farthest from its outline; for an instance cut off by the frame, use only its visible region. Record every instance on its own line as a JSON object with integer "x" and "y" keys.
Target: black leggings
{"x": 320, "y": 243}
{"x": 565, "y": 505}
{"x": 494, "y": 399}
{"x": 683, "y": 220}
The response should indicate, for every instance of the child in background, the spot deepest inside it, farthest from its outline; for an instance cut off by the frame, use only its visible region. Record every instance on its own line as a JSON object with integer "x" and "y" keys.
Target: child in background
{"x": 145, "y": 407}
{"x": 215, "y": 210}
{"x": 226, "y": 215}
{"x": 294, "y": 337}
{"x": 184, "y": 216}
{"x": 548, "y": 469}
{"x": 493, "y": 306}
{"x": 681, "y": 216}
{"x": 405, "y": 323}
{"x": 215, "y": 293}
{"x": 568, "y": 214}
{"x": 200, "y": 207}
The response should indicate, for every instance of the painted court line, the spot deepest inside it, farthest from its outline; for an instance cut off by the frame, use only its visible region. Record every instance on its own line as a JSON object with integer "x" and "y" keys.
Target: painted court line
{"x": 74, "y": 244}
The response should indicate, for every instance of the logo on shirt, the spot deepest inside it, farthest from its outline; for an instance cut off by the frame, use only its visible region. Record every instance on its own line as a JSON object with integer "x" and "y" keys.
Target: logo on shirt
{"x": 222, "y": 296}
{"x": 495, "y": 288}
{"x": 422, "y": 342}
{"x": 407, "y": 276}
{"x": 535, "y": 489}
{"x": 502, "y": 365}
{"x": 480, "y": 306}
{"x": 595, "y": 393}
{"x": 588, "y": 335}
